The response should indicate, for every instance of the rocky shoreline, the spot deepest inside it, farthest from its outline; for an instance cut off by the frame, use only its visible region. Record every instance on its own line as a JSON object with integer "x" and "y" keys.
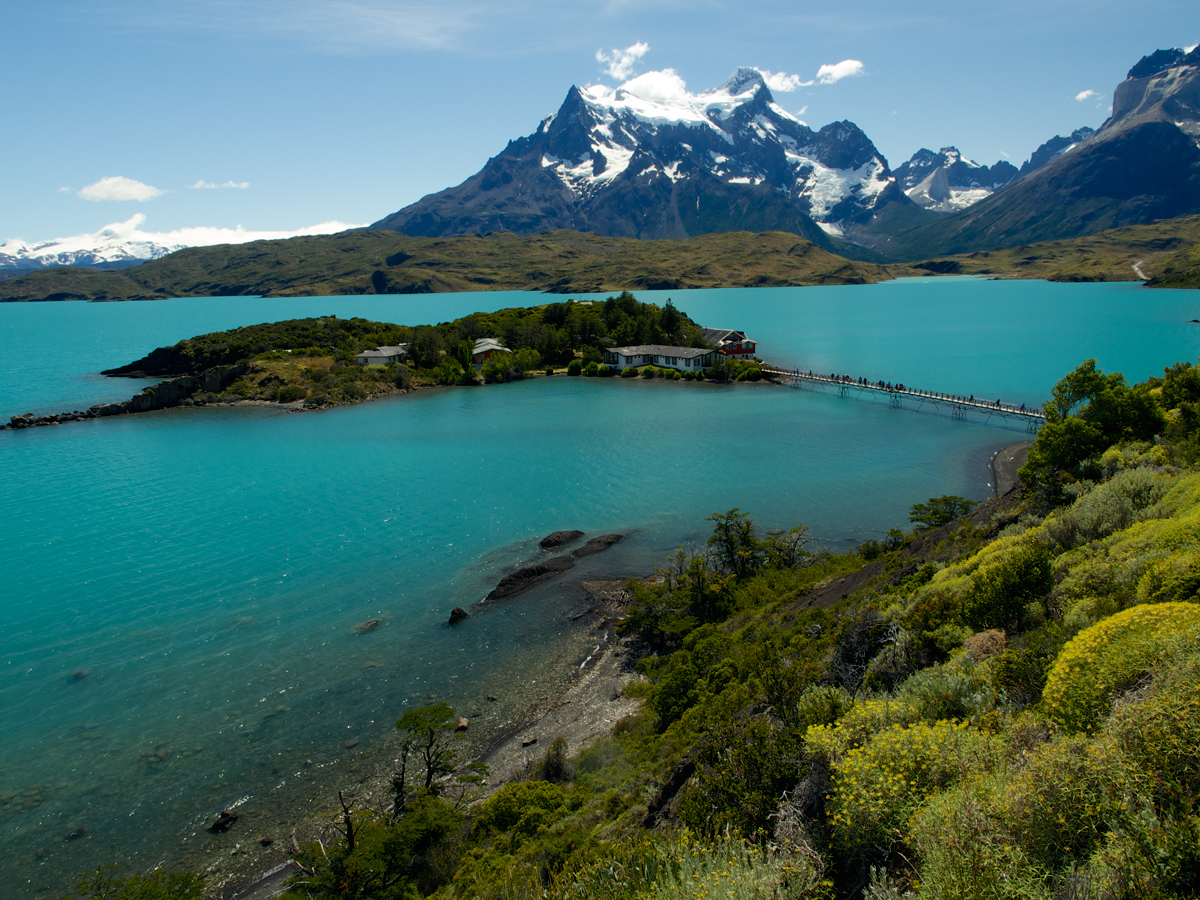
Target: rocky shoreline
{"x": 584, "y": 702}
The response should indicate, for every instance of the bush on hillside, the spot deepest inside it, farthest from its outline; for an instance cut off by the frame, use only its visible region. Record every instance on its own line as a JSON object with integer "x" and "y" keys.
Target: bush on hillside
{"x": 1104, "y": 661}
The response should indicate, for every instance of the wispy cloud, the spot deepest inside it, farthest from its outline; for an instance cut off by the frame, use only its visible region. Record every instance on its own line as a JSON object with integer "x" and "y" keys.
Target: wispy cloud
{"x": 1086, "y": 95}
{"x": 331, "y": 25}
{"x": 847, "y": 68}
{"x": 780, "y": 81}
{"x": 118, "y": 187}
{"x": 203, "y": 185}
{"x": 619, "y": 64}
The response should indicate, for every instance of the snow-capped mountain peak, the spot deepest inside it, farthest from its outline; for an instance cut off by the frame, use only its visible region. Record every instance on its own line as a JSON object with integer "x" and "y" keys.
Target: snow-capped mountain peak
{"x": 586, "y": 166}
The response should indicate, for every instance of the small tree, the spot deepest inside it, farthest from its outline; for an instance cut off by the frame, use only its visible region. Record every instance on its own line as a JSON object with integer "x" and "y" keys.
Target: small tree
{"x": 738, "y": 550}
{"x": 428, "y": 735}
{"x": 940, "y": 511}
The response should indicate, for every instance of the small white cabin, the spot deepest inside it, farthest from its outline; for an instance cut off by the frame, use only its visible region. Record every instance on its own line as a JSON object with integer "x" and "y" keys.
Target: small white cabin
{"x": 381, "y": 356}
{"x": 683, "y": 359}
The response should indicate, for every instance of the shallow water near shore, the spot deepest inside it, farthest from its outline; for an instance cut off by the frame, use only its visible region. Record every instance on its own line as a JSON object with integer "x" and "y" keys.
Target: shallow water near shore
{"x": 182, "y": 588}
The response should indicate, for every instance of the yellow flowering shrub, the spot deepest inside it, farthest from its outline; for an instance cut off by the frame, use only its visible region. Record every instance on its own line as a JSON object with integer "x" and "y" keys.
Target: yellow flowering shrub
{"x": 857, "y": 725}
{"x": 879, "y": 786}
{"x": 1109, "y": 658}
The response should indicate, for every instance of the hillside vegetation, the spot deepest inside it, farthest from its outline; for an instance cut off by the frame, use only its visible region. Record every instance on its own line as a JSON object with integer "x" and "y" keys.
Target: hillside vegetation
{"x": 383, "y": 262}
{"x": 1002, "y": 705}
{"x": 1164, "y": 250}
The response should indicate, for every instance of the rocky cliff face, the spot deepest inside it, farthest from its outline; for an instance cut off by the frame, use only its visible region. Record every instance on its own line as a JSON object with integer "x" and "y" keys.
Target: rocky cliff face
{"x": 1142, "y": 164}
{"x": 627, "y": 162}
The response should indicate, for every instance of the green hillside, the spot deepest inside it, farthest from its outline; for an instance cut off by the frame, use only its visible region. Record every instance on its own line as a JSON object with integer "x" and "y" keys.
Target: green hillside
{"x": 1107, "y": 256}
{"x": 382, "y": 262}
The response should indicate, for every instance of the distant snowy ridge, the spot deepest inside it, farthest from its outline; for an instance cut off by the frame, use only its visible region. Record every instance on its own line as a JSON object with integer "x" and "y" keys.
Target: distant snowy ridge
{"x": 124, "y": 243}
{"x": 947, "y": 181}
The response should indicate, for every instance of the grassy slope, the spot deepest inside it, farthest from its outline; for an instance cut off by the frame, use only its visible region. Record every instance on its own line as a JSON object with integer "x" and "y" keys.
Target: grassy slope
{"x": 1107, "y": 256}
{"x": 1177, "y": 270}
{"x": 362, "y": 262}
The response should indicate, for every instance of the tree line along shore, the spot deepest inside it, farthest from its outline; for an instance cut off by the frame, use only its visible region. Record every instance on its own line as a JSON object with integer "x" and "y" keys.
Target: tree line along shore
{"x": 310, "y": 363}
{"x": 999, "y": 703}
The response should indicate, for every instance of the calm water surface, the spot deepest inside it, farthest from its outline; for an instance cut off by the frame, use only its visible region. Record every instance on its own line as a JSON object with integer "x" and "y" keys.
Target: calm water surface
{"x": 207, "y": 568}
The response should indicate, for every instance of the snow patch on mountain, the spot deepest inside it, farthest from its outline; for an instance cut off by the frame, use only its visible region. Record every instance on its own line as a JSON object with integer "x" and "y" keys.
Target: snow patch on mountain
{"x": 124, "y": 243}
{"x": 947, "y": 181}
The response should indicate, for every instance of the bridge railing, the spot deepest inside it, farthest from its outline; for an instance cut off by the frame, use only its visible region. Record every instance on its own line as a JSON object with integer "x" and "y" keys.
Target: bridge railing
{"x": 959, "y": 405}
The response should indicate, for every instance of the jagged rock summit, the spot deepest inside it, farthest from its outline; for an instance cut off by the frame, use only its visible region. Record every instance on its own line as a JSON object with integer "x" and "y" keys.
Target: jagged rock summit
{"x": 947, "y": 181}
{"x": 651, "y": 160}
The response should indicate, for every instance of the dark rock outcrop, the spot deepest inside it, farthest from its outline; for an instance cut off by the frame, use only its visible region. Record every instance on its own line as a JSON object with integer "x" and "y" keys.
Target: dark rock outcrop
{"x": 523, "y": 579}
{"x": 597, "y": 545}
{"x": 224, "y": 822}
{"x": 164, "y": 395}
{"x": 558, "y": 538}
{"x": 458, "y": 614}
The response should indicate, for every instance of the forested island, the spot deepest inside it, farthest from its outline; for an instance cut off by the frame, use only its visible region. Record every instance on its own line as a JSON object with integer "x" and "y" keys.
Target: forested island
{"x": 311, "y": 363}
{"x": 1004, "y": 703}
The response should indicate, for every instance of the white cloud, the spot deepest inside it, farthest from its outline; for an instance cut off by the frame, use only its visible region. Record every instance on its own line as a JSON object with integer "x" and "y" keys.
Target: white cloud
{"x": 210, "y": 186}
{"x": 663, "y": 86}
{"x": 802, "y": 110}
{"x": 1086, "y": 95}
{"x": 1005, "y": 155}
{"x": 847, "y": 68}
{"x": 620, "y": 63}
{"x": 780, "y": 81}
{"x": 118, "y": 187}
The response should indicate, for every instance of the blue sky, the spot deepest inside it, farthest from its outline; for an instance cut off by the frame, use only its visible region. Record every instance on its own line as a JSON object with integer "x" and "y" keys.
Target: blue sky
{"x": 281, "y": 114}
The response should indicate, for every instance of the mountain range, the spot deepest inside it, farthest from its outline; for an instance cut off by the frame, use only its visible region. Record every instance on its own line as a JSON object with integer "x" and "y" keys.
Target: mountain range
{"x": 620, "y": 164}
{"x": 631, "y": 162}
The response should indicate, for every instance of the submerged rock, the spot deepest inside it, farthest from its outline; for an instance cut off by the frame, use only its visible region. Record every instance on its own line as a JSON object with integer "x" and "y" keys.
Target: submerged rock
{"x": 224, "y": 822}
{"x": 597, "y": 545}
{"x": 558, "y": 538}
{"x": 458, "y": 614}
{"x": 511, "y": 585}
{"x": 368, "y": 626}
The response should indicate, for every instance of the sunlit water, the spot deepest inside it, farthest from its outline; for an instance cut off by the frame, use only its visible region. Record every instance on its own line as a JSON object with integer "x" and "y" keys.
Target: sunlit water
{"x": 206, "y": 568}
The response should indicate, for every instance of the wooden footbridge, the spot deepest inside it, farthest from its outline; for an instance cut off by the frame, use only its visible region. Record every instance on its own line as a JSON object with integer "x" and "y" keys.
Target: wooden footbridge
{"x": 901, "y": 396}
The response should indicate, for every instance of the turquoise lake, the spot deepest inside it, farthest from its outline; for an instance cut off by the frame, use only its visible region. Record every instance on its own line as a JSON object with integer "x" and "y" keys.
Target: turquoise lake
{"x": 206, "y": 568}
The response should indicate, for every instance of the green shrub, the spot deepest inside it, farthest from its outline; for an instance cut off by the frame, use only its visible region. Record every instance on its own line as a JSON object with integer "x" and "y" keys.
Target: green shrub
{"x": 630, "y": 372}
{"x": 1058, "y": 804}
{"x": 1002, "y": 590}
{"x": 522, "y": 807}
{"x": 106, "y": 882}
{"x": 353, "y": 391}
{"x": 649, "y": 372}
{"x": 592, "y": 370}
{"x": 495, "y": 370}
{"x": 575, "y": 367}
{"x": 967, "y": 854}
{"x": 290, "y": 393}
{"x": 1102, "y": 662}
